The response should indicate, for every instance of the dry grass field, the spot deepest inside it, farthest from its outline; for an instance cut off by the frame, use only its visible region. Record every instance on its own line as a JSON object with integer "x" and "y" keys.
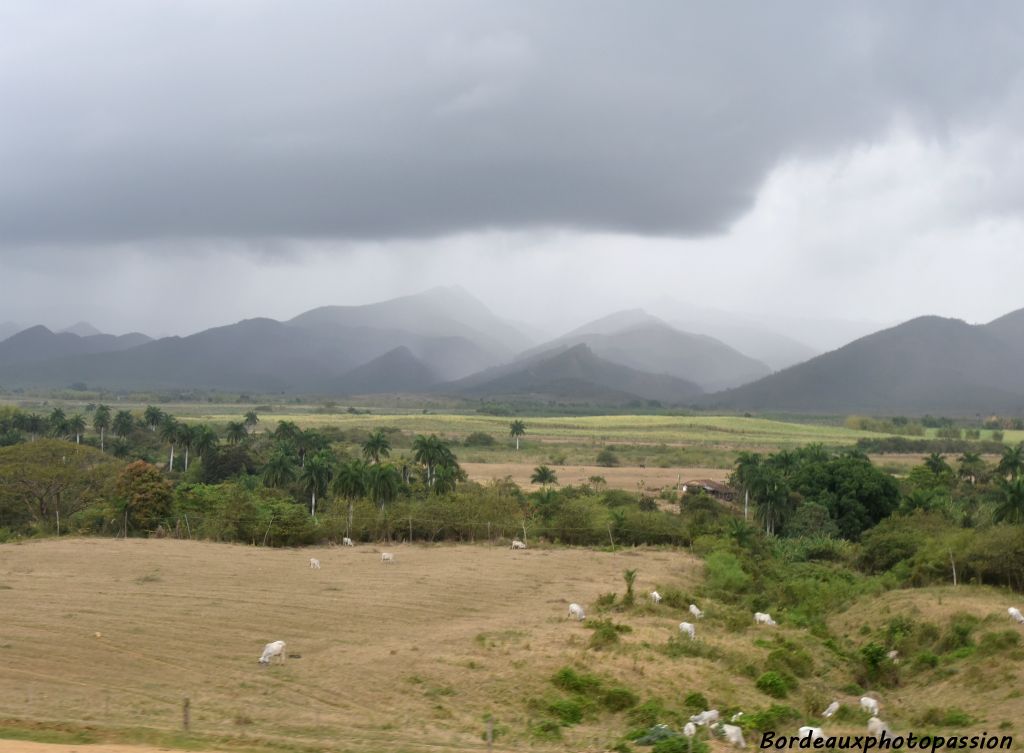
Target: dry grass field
{"x": 104, "y": 638}
{"x": 620, "y": 477}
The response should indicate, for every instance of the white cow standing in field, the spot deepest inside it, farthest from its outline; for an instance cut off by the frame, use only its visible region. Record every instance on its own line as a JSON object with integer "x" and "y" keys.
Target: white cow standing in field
{"x": 870, "y": 705}
{"x": 705, "y": 717}
{"x": 815, "y": 733}
{"x": 876, "y": 727}
{"x": 517, "y": 544}
{"x": 1016, "y": 615}
{"x": 346, "y": 541}
{"x": 733, "y": 734}
{"x": 314, "y": 563}
{"x": 655, "y": 597}
{"x": 832, "y": 708}
{"x": 690, "y": 729}
{"x": 387, "y": 557}
{"x": 696, "y": 611}
{"x": 688, "y": 629}
{"x": 276, "y": 648}
{"x": 763, "y": 618}
{"x": 575, "y": 610}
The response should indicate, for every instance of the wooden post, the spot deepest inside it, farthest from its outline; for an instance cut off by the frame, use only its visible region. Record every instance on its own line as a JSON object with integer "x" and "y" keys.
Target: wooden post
{"x": 954, "y": 567}
{"x": 188, "y": 527}
{"x": 490, "y": 733}
{"x": 610, "y": 535}
{"x": 58, "y": 522}
{"x": 186, "y": 708}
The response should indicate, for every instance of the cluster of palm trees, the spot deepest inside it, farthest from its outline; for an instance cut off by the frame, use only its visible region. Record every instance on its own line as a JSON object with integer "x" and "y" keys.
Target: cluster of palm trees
{"x": 304, "y": 458}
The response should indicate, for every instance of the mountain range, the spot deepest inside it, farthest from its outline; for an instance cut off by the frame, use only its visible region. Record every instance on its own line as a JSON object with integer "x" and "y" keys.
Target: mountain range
{"x": 444, "y": 341}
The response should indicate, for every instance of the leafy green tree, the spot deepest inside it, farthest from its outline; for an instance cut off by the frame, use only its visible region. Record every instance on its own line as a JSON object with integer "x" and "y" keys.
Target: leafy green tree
{"x": 204, "y": 441}
{"x": 123, "y": 424}
{"x": 235, "y": 432}
{"x": 145, "y": 494}
{"x": 76, "y": 425}
{"x": 315, "y": 478}
{"x": 287, "y": 430}
{"x": 445, "y": 479}
{"x": 376, "y": 446}
{"x": 544, "y": 476}
{"x": 153, "y": 417}
{"x": 517, "y": 429}
{"x": 101, "y": 422}
{"x": 937, "y": 464}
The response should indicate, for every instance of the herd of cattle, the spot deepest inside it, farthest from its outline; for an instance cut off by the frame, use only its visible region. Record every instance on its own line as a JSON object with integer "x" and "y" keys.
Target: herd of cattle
{"x": 732, "y": 733}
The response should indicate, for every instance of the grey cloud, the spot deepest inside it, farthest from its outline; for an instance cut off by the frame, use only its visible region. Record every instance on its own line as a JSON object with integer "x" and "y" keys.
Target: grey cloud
{"x": 128, "y": 121}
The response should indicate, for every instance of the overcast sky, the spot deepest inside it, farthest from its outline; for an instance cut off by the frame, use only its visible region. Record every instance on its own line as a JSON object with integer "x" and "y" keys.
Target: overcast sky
{"x": 171, "y": 165}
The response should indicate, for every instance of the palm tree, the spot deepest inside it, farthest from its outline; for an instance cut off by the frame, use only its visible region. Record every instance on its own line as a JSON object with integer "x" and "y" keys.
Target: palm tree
{"x": 376, "y": 446}
{"x": 1012, "y": 462}
{"x": 169, "y": 433}
{"x": 153, "y": 417}
{"x": 1010, "y": 507}
{"x": 58, "y": 423}
{"x": 971, "y": 467}
{"x": 236, "y": 432}
{"x": 383, "y": 483}
{"x": 444, "y": 479}
{"x": 517, "y": 429}
{"x": 204, "y": 441}
{"x": 351, "y": 483}
{"x": 251, "y": 419}
{"x": 315, "y": 477}
{"x": 119, "y": 448}
{"x": 123, "y": 423}
{"x": 76, "y": 425}
{"x": 280, "y": 470}
{"x": 748, "y": 469}
{"x": 937, "y": 464}
{"x": 187, "y": 436}
{"x": 287, "y": 430}
{"x": 543, "y": 475}
{"x": 429, "y": 451}
{"x": 101, "y": 422}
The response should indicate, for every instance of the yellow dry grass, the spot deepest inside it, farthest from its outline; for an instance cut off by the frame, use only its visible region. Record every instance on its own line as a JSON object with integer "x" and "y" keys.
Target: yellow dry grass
{"x": 407, "y": 656}
{"x": 620, "y": 477}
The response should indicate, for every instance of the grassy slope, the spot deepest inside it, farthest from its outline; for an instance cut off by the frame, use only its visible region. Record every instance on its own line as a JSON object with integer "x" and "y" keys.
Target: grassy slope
{"x": 410, "y": 656}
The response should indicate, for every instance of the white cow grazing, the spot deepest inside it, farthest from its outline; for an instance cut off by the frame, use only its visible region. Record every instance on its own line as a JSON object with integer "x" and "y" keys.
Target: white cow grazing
{"x": 734, "y": 735}
{"x": 689, "y": 629}
{"x": 689, "y": 729}
{"x": 277, "y": 648}
{"x": 763, "y": 618}
{"x": 575, "y": 610}
{"x": 832, "y": 708}
{"x": 655, "y": 597}
{"x": 814, "y": 733}
{"x": 314, "y": 563}
{"x": 877, "y": 727}
{"x": 696, "y": 612}
{"x": 736, "y": 717}
{"x": 870, "y": 705}
{"x": 517, "y": 544}
{"x": 1016, "y": 615}
{"x": 387, "y": 557}
{"x": 705, "y": 717}
{"x": 894, "y": 656}
{"x": 346, "y": 541}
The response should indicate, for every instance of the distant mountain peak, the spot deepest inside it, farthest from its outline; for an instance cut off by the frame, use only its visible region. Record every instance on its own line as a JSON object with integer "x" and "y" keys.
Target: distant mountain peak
{"x": 82, "y": 329}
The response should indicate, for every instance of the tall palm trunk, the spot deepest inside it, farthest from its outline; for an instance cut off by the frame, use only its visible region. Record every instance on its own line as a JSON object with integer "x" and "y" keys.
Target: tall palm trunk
{"x": 102, "y": 433}
{"x": 186, "y": 457}
{"x": 312, "y": 505}
{"x": 170, "y": 464}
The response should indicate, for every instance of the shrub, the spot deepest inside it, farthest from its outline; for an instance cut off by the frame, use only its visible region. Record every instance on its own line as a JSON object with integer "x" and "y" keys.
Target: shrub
{"x": 994, "y": 643}
{"x": 790, "y": 659}
{"x": 606, "y": 633}
{"x": 569, "y": 679}
{"x": 606, "y": 600}
{"x": 926, "y": 660}
{"x": 648, "y": 713}
{"x": 959, "y": 633}
{"x": 479, "y": 439}
{"x": 725, "y": 575}
{"x": 547, "y": 730}
{"x": 566, "y": 710}
{"x": 680, "y": 745}
{"x": 607, "y": 458}
{"x": 696, "y": 702}
{"x": 619, "y": 699}
{"x": 945, "y": 718}
{"x": 772, "y": 719}
{"x": 775, "y": 684}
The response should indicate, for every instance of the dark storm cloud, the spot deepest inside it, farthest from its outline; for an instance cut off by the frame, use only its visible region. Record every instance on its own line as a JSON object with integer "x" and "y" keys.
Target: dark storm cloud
{"x": 186, "y": 120}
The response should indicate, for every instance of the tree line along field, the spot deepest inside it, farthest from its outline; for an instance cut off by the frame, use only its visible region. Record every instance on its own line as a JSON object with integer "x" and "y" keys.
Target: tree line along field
{"x": 104, "y": 638}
